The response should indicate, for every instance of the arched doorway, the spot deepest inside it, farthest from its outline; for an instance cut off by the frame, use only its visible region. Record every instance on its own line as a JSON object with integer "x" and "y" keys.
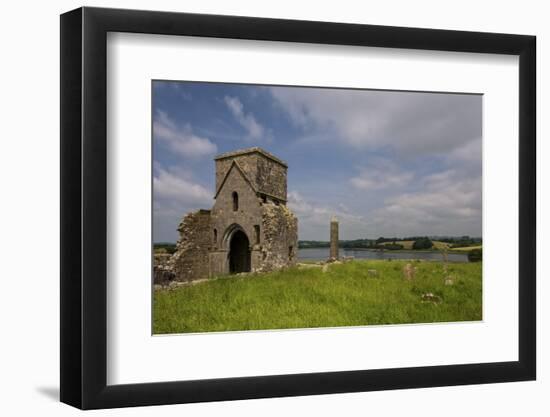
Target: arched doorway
{"x": 239, "y": 253}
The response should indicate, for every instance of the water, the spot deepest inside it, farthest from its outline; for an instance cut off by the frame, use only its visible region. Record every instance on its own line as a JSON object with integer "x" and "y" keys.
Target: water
{"x": 321, "y": 254}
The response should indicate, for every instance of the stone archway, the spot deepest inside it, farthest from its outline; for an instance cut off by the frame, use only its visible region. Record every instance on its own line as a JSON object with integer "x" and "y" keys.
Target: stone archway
{"x": 239, "y": 252}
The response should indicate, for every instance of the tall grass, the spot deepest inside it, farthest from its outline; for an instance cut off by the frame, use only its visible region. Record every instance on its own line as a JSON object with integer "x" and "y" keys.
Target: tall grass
{"x": 345, "y": 295}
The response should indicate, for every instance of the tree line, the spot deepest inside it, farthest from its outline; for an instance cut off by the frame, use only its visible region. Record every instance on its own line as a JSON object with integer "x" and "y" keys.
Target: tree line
{"x": 392, "y": 243}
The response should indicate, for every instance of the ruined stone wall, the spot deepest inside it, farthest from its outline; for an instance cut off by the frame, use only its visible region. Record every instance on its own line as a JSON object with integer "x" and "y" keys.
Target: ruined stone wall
{"x": 203, "y": 249}
{"x": 161, "y": 258}
{"x": 162, "y": 269}
{"x": 271, "y": 178}
{"x": 280, "y": 237}
{"x": 191, "y": 259}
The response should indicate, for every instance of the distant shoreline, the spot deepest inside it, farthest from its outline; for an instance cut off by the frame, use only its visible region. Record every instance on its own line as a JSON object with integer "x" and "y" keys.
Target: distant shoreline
{"x": 462, "y": 250}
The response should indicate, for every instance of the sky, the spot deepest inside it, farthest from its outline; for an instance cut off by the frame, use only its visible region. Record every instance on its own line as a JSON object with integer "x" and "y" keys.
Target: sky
{"x": 385, "y": 163}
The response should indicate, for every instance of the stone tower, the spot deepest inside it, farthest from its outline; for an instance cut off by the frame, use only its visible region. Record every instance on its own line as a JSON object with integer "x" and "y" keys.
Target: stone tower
{"x": 334, "y": 238}
{"x": 249, "y": 228}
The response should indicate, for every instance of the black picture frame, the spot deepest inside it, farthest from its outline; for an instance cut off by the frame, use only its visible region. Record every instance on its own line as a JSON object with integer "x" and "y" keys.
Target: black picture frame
{"x": 84, "y": 207}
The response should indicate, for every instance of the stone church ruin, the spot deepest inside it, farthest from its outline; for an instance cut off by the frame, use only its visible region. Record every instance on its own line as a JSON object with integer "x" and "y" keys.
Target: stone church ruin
{"x": 249, "y": 228}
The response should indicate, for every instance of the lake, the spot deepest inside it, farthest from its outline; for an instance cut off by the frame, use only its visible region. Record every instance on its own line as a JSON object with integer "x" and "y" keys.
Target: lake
{"x": 321, "y": 254}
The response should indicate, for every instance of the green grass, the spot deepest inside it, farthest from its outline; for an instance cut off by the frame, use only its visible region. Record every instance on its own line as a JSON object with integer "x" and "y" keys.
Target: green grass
{"x": 343, "y": 296}
{"x": 467, "y": 248}
{"x": 408, "y": 244}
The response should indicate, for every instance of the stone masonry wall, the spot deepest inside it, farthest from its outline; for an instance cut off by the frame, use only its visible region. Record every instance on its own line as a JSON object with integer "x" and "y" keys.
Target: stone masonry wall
{"x": 248, "y": 214}
{"x": 280, "y": 237}
{"x": 191, "y": 259}
{"x": 248, "y": 163}
{"x": 267, "y": 176}
{"x": 271, "y": 178}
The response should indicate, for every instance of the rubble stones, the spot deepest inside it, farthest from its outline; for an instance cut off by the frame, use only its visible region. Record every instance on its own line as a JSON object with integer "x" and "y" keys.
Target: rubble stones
{"x": 162, "y": 275}
{"x": 431, "y": 298}
{"x": 409, "y": 272}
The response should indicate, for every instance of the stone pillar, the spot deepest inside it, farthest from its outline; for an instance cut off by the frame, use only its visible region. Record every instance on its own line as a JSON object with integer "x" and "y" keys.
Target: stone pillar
{"x": 334, "y": 238}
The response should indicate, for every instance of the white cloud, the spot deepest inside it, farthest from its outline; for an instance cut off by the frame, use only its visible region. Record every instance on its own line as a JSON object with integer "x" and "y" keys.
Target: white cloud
{"x": 176, "y": 190}
{"x": 414, "y": 123}
{"x": 254, "y": 129}
{"x": 175, "y": 195}
{"x": 180, "y": 140}
{"x": 413, "y": 129}
{"x": 381, "y": 173}
{"x": 447, "y": 204}
{"x": 314, "y": 219}
{"x": 469, "y": 152}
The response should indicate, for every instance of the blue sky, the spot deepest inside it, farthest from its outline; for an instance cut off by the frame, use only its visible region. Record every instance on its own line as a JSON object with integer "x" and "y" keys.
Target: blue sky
{"x": 386, "y": 163}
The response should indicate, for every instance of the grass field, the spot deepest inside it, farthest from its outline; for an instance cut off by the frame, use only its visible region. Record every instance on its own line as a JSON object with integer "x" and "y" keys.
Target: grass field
{"x": 466, "y": 248}
{"x": 408, "y": 244}
{"x": 345, "y": 295}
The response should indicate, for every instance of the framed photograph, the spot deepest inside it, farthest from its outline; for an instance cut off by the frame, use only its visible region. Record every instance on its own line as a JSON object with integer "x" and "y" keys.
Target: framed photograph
{"x": 257, "y": 208}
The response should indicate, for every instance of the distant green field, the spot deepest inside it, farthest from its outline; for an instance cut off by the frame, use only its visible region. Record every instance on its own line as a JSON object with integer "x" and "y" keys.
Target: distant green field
{"x": 345, "y": 295}
{"x": 408, "y": 244}
{"x": 467, "y": 248}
